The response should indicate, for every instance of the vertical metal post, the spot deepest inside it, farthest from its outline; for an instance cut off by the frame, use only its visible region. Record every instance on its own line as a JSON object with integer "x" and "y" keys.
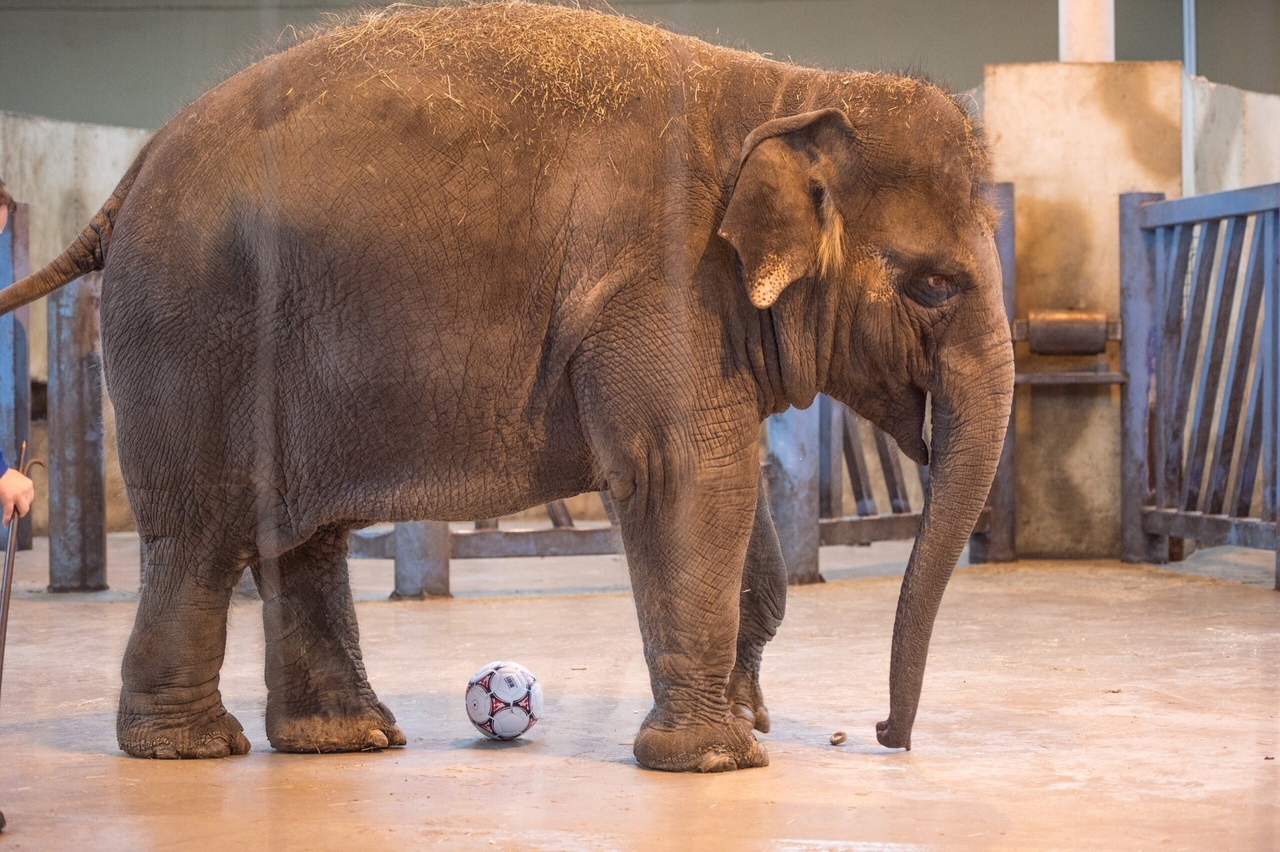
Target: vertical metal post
{"x": 1271, "y": 379}
{"x": 999, "y": 544}
{"x": 15, "y": 383}
{"x": 421, "y": 560}
{"x": 793, "y": 456}
{"x": 1189, "y": 37}
{"x": 77, "y": 504}
{"x": 830, "y": 458}
{"x": 1139, "y": 350}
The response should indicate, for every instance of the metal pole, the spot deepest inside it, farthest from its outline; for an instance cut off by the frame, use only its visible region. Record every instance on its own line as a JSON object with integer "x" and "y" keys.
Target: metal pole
{"x": 1189, "y": 37}
{"x": 793, "y": 488}
{"x": 77, "y": 507}
{"x": 421, "y": 560}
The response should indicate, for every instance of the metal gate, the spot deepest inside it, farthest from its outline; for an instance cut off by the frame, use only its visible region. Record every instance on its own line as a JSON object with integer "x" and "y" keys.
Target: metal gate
{"x": 1201, "y": 311}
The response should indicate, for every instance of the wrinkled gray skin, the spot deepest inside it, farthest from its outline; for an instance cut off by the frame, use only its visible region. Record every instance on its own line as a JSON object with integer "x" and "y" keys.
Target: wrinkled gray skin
{"x": 459, "y": 262}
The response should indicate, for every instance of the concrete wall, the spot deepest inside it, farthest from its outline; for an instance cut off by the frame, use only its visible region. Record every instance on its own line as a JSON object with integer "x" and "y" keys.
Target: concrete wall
{"x": 64, "y": 171}
{"x": 136, "y": 62}
{"x": 1234, "y": 137}
{"x": 1072, "y": 137}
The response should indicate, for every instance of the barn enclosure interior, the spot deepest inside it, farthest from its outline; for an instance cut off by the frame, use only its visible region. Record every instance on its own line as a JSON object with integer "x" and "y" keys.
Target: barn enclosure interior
{"x": 541, "y": 425}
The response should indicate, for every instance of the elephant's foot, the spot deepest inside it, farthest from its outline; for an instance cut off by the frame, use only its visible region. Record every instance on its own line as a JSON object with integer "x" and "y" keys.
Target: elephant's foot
{"x": 892, "y": 736}
{"x": 317, "y": 731}
{"x": 699, "y": 747}
{"x": 746, "y": 701}
{"x": 216, "y": 734}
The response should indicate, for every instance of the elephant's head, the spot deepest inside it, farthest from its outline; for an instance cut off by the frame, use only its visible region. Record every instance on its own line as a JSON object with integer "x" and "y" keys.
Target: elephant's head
{"x": 870, "y": 242}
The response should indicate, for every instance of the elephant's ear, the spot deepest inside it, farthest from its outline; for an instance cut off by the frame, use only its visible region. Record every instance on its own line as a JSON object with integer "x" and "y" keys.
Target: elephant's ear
{"x": 781, "y": 219}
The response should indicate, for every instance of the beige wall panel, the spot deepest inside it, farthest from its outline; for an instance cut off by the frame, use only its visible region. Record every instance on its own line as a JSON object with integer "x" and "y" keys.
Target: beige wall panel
{"x": 1262, "y": 139}
{"x": 38, "y": 163}
{"x": 1072, "y": 137}
{"x": 1236, "y": 136}
{"x": 1217, "y": 134}
{"x": 103, "y": 155}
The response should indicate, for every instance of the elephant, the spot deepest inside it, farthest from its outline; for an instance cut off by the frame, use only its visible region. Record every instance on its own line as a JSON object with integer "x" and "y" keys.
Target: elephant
{"x": 447, "y": 263}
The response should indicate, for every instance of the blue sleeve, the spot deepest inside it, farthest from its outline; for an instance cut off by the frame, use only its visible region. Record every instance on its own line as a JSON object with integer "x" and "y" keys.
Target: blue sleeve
{"x": 4, "y": 467}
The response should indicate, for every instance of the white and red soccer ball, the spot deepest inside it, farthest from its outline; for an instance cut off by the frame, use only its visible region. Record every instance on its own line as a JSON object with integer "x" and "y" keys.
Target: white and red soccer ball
{"x": 504, "y": 700}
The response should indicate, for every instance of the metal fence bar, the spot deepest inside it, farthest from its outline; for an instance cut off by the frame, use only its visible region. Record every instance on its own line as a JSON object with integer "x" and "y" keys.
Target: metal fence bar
{"x": 1218, "y": 205}
{"x": 1251, "y": 447}
{"x": 1237, "y": 383}
{"x": 1173, "y": 259}
{"x": 559, "y": 514}
{"x": 1188, "y": 355}
{"x": 1271, "y": 242}
{"x": 1139, "y": 251}
{"x": 856, "y": 460}
{"x": 1224, "y": 292}
{"x": 1271, "y": 358}
{"x": 890, "y": 465}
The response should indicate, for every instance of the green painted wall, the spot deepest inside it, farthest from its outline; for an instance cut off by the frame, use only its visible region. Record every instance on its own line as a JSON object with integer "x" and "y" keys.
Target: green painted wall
{"x": 136, "y": 62}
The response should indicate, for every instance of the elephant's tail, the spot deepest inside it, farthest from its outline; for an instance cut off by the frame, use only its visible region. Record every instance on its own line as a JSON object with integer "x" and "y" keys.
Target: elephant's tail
{"x": 87, "y": 253}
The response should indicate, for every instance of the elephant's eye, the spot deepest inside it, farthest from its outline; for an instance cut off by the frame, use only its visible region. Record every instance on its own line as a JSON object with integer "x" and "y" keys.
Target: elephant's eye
{"x": 932, "y": 289}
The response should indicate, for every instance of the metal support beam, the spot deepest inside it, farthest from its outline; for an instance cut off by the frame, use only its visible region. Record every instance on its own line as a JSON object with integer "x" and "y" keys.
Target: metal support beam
{"x": 793, "y": 489}
{"x": 77, "y": 509}
{"x": 1138, "y": 311}
{"x": 421, "y": 560}
{"x": 1189, "y": 37}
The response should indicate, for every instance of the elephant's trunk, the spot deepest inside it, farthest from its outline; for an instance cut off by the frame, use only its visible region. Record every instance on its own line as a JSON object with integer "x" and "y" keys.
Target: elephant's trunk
{"x": 970, "y": 414}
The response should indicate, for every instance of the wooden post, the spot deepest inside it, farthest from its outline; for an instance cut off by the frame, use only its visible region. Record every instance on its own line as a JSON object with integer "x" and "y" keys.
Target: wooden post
{"x": 1138, "y": 360}
{"x": 793, "y": 489}
{"x": 999, "y": 544}
{"x": 77, "y": 507}
{"x": 15, "y": 382}
{"x": 421, "y": 560}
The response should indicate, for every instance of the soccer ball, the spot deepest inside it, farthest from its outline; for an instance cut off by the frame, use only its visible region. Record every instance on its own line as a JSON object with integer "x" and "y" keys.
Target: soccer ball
{"x": 504, "y": 700}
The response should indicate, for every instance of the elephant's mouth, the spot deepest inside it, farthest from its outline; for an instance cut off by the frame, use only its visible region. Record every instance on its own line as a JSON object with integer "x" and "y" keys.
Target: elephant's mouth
{"x": 906, "y": 425}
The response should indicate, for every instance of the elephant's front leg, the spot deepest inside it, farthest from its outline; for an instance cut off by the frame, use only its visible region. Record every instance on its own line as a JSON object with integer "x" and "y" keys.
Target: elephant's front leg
{"x": 761, "y": 606}
{"x": 686, "y": 534}
{"x": 318, "y": 696}
{"x": 170, "y": 706}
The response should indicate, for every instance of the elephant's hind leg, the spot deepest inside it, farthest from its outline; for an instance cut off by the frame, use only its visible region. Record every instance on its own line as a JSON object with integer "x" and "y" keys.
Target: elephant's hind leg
{"x": 760, "y": 610}
{"x": 170, "y": 706}
{"x": 318, "y": 696}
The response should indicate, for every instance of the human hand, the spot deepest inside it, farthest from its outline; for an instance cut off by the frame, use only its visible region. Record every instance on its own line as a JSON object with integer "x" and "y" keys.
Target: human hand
{"x": 16, "y": 492}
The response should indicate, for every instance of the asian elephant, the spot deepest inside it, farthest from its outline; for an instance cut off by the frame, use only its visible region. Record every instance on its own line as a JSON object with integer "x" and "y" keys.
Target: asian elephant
{"x": 447, "y": 263}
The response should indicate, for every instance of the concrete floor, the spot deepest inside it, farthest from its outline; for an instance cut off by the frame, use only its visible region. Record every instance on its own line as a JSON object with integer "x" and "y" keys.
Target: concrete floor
{"x": 1067, "y": 706}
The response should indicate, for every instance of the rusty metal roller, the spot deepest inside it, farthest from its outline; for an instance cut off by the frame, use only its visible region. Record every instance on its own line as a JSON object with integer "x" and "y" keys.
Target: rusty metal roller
{"x": 1067, "y": 332}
